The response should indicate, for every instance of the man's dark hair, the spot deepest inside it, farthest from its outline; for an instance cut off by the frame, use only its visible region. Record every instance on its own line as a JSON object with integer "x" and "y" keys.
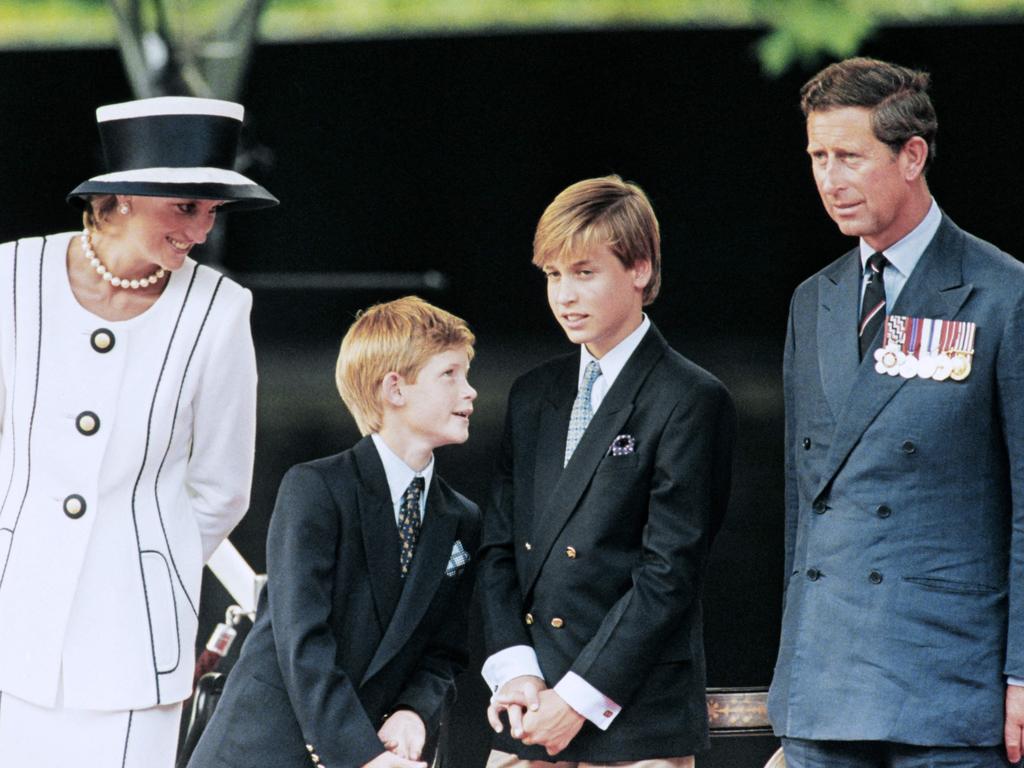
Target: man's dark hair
{"x": 897, "y": 97}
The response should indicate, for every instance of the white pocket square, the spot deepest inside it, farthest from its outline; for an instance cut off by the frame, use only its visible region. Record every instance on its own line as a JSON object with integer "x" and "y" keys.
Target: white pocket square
{"x": 457, "y": 561}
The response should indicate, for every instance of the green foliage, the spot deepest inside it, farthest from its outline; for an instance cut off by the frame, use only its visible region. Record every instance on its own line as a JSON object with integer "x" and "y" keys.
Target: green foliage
{"x": 797, "y": 31}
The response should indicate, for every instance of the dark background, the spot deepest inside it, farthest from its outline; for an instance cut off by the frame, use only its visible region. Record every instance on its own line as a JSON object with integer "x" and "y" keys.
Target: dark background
{"x": 440, "y": 153}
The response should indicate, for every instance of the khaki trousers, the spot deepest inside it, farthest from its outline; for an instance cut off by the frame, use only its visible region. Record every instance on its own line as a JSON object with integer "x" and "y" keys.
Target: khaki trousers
{"x": 504, "y": 760}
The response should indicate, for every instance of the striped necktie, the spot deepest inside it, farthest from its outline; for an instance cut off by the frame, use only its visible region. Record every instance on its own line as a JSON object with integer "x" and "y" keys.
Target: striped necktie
{"x": 581, "y": 410}
{"x": 873, "y": 306}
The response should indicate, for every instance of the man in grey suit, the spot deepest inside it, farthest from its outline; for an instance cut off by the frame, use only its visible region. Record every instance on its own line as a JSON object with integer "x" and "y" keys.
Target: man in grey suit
{"x": 903, "y": 628}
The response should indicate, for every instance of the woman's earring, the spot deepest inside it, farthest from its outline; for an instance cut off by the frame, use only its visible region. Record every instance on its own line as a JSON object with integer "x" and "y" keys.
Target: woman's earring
{"x": 124, "y": 209}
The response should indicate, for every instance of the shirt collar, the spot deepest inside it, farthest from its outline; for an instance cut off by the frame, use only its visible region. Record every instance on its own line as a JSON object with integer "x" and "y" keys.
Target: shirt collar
{"x": 905, "y": 253}
{"x": 615, "y": 359}
{"x": 398, "y": 473}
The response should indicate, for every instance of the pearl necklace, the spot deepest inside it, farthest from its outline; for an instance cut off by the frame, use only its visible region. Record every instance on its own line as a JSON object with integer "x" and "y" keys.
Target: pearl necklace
{"x": 110, "y": 277}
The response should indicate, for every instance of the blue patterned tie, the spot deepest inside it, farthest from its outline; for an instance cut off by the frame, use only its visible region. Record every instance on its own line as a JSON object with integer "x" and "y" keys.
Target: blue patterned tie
{"x": 581, "y": 410}
{"x": 409, "y": 522}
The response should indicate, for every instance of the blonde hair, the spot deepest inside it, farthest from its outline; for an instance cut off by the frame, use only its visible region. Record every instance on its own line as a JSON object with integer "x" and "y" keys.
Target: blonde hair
{"x": 603, "y": 211}
{"x": 399, "y": 336}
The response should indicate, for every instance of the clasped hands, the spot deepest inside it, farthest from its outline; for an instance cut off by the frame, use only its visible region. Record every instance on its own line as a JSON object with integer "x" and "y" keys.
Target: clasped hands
{"x": 536, "y": 714}
{"x": 403, "y": 735}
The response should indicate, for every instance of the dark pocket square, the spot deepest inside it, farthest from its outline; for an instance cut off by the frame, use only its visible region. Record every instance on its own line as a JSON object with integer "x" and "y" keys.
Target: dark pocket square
{"x": 622, "y": 445}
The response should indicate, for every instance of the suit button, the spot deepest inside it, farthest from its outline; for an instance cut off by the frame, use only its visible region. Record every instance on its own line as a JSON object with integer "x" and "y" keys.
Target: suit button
{"x": 813, "y": 574}
{"x": 310, "y": 748}
{"x": 74, "y": 506}
{"x": 314, "y": 757}
{"x": 528, "y": 619}
{"x": 875, "y": 577}
{"x": 557, "y": 623}
{"x": 102, "y": 340}
{"x": 807, "y": 443}
{"x": 883, "y": 510}
{"x": 87, "y": 422}
{"x": 908, "y": 447}
{"x": 570, "y": 552}
{"x": 527, "y": 546}
{"x": 820, "y": 507}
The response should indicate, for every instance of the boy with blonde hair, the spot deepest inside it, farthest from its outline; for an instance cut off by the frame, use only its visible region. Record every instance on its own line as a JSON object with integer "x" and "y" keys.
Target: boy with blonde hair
{"x": 361, "y": 628}
{"x": 614, "y": 472}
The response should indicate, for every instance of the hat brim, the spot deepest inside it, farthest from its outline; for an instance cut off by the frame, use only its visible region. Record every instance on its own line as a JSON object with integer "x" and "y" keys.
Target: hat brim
{"x": 239, "y": 197}
{"x": 241, "y": 192}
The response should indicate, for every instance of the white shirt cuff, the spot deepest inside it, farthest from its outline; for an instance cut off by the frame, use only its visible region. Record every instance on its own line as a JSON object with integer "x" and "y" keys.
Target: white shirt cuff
{"x": 587, "y": 700}
{"x": 508, "y": 663}
{"x": 1014, "y": 681}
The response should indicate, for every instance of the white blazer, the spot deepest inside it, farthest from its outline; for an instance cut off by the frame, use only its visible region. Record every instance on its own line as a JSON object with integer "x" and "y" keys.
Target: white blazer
{"x": 126, "y": 451}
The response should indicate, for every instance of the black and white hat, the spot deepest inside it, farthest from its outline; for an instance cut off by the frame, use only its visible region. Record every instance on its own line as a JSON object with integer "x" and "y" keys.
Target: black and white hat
{"x": 173, "y": 146}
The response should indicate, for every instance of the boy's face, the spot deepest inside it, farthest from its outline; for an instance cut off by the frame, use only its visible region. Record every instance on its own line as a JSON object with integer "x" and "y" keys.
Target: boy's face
{"x": 438, "y": 405}
{"x": 596, "y": 300}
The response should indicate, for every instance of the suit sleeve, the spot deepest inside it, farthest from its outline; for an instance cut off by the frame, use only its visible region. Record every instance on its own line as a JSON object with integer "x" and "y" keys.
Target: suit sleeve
{"x": 792, "y": 497}
{"x": 1010, "y": 402}
{"x": 224, "y": 426}
{"x": 500, "y": 599}
{"x": 689, "y": 488}
{"x": 301, "y": 560}
{"x": 432, "y": 686}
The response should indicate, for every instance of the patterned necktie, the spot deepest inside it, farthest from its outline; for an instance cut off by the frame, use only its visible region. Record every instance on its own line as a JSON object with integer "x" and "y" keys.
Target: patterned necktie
{"x": 581, "y": 410}
{"x": 409, "y": 522}
{"x": 873, "y": 307}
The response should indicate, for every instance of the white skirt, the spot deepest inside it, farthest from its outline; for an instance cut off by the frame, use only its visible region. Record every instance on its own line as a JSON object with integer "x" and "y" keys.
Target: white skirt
{"x": 40, "y": 737}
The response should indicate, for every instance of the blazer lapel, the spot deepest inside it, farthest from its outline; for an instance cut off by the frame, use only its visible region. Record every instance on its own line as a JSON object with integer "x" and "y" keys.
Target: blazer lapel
{"x": 433, "y": 549}
{"x": 380, "y": 534}
{"x": 935, "y": 289}
{"x": 616, "y": 408}
{"x": 552, "y": 431}
{"x": 838, "y": 346}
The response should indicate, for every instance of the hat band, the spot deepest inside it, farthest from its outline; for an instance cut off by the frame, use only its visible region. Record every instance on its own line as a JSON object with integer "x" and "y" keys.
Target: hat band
{"x": 175, "y": 176}
{"x": 164, "y": 141}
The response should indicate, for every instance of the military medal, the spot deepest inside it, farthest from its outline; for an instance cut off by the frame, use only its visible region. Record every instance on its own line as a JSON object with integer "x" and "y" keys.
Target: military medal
{"x": 926, "y": 348}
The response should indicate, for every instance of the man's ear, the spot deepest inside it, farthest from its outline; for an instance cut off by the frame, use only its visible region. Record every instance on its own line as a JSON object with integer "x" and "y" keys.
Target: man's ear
{"x": 913, "y": 157}
{"x": 391, "y": 388}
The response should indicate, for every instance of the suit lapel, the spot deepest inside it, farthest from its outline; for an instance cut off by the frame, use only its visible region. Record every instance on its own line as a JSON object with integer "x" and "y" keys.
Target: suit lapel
{"x": 433, "y": 549}
{"x": 935, "y": 289}
{"x": 380, "y": 534}
{"x": 607, "y": 423}
{"x": 552, "y": 430}
{"x": 838, "y": 346}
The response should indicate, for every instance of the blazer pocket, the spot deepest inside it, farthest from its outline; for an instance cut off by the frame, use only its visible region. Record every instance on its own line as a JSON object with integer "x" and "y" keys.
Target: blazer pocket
{"x": 163, "y": 613}
{"x": 951, "y": 585}
{"x": 618, "y": 463}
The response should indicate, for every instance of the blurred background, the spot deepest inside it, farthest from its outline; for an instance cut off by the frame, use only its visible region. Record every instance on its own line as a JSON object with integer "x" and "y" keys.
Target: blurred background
{"x": 414, "y": 144}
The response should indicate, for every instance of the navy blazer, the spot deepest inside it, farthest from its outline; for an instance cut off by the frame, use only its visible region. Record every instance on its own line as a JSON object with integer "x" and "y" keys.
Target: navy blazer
{"x": 599, "y": 566}
{"x": 340, "y": 640}
{"x": 904, "y": 512}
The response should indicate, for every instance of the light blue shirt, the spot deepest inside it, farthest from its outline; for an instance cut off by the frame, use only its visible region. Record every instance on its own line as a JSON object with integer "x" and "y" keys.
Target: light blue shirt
{"x": 903, "y": 256}
{"x": 400, "y": 474}
{"x": 611, "y": 364}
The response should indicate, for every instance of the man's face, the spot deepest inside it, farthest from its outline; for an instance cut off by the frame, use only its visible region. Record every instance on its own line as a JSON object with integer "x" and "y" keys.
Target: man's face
{"x": 865, "y": 187}
{"x": 597, "y": 300}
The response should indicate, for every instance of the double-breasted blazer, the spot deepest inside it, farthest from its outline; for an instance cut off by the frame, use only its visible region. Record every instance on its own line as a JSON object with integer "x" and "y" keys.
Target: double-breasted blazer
{"x": 340, "y": 639}
{"x": 599, "y": 566}
{"x": 126, "y": 453}
{"x": 904, "y": 512}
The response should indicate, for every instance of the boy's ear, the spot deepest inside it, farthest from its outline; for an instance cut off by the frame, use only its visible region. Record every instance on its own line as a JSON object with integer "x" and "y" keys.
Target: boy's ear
{"x": 641, "y": 273}
{"x": 391, "y": 388}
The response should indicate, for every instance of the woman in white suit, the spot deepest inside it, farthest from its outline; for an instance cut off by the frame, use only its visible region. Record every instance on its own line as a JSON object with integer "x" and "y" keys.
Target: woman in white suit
{"x": 127, "y": 422}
